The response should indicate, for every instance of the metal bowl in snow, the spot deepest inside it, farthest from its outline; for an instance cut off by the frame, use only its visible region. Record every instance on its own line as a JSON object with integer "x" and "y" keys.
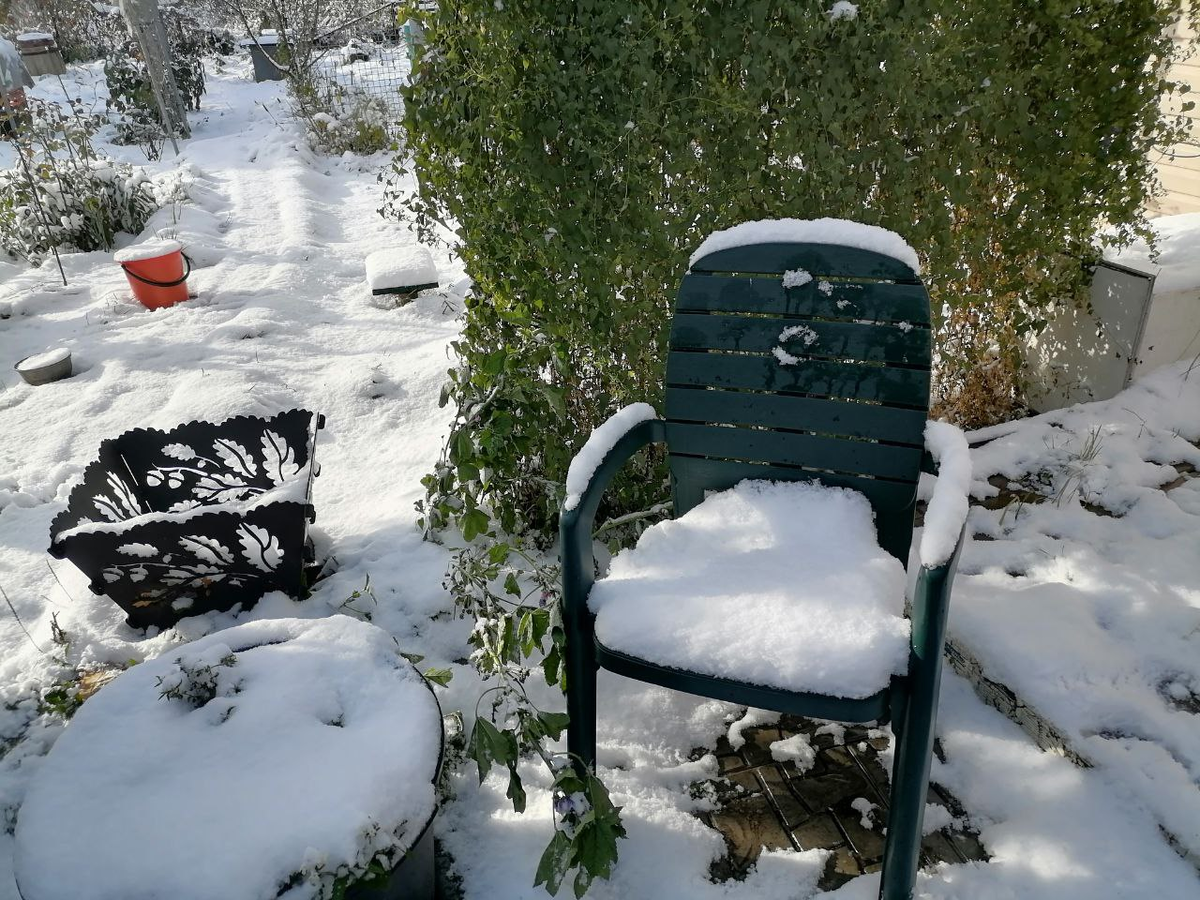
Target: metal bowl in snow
{"x": 196, "y": 519}
{"x": 43, "y": 368}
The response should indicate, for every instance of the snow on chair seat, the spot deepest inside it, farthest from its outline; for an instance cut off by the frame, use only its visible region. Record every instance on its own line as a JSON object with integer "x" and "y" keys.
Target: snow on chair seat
{"x": 779, "y": 584}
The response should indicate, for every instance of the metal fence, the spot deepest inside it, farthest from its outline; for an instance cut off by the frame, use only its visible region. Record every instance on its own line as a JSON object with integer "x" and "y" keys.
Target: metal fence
{"x": 364, "y": 64}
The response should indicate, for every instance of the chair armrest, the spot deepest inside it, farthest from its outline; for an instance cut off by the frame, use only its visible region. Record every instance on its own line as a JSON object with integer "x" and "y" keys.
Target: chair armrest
{"x": 575, "y": 523}
{"x": 946, "y": 514}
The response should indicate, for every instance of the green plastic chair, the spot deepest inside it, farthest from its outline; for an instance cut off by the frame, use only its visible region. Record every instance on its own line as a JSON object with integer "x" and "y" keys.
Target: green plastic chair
{"x": 855, "y": 418}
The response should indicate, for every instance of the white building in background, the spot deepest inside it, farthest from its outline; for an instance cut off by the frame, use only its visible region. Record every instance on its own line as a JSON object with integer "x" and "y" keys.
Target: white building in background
{"x": 1179, "y": 166}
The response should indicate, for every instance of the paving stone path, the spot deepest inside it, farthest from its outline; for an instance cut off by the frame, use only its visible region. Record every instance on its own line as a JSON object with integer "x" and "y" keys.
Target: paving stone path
{"x": 764, "y": 803}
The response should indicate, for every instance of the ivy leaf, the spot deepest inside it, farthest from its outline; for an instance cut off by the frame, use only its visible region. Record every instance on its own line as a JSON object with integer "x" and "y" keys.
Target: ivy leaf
{"x": 515, "y": 792}
{"x": 550, "y": 665}
{"x": 439, "y": 676}
{"x": 553, "y": 723}
{"x": 511, "y": 586}
{"x": 555, "y": 861}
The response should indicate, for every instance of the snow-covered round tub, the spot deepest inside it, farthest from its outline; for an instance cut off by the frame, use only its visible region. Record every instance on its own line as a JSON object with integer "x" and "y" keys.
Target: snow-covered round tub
{"x": 285, "y": 758}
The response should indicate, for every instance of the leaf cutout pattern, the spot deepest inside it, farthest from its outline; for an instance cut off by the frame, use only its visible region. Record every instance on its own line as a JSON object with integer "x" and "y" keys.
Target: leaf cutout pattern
{"x": 207, "y": 549}
{"x": 236, "y": 457}
{"x": 280, "y": 460}
{"x": 122, "y": 504}
{"x": 260, "y": 548}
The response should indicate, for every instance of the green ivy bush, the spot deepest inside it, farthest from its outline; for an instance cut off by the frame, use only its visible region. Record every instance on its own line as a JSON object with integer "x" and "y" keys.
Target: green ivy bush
{"x": 579, "y": 151}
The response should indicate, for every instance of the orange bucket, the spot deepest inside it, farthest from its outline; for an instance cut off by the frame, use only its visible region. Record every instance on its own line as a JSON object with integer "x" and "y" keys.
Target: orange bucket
{"x": 155, "y": 270}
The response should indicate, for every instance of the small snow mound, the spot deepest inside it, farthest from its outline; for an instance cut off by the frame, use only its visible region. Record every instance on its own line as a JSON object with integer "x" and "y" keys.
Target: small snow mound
{"x": 864, "y": 808}
{"x": 783, "y": 357}
{"x": 602, "y": 440}
{"x": 795, "y": 749}
{"x": 811, "y": 231}
{"x": 796, "y": 277}
{"x": 400, "y": 267}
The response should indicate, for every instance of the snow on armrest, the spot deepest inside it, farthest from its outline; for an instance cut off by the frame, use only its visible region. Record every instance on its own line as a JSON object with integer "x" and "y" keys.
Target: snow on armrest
{"x": 598, "y": 444}
{"x": 947, "y": 510}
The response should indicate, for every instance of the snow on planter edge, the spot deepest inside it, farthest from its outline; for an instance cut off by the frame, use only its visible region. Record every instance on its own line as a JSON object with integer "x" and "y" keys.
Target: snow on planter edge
{"x": 599, "y": 443}
{"x": 333, "y": 738}
{"x": 811, "y": 231}
{"x": 947, "y": 510}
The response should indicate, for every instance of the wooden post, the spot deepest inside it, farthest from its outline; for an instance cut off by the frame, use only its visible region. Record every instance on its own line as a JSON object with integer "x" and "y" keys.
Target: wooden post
{"x": 146, "y": 24}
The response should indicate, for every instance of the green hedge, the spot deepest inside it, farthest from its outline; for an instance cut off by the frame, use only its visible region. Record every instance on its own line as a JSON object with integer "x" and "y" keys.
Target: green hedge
{"x": 581, "y": 149}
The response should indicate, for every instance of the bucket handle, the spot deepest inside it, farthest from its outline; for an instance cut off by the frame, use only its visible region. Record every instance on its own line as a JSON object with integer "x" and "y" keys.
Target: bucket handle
{"x": 187, "y": 270}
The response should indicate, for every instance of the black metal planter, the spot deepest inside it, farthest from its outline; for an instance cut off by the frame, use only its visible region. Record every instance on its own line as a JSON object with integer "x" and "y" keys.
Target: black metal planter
{"x": 195, "y": 519}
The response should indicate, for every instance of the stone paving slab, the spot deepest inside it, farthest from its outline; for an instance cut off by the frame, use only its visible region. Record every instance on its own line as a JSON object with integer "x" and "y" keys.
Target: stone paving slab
{"x": 762, "y": 803}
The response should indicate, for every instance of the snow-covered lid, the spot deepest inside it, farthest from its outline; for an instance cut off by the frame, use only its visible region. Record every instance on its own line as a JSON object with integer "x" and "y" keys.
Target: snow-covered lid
{"x": 397, "y": 267}
{"x": 281, "y": 747}
{"x": 268, "y": 37}
{"x": 1176, "y": 268}
{"x": 147, "y": 250}
{"x": 42, "y": 360}
{"x": 811, "y": 231}
{"x": 35, "y": 36}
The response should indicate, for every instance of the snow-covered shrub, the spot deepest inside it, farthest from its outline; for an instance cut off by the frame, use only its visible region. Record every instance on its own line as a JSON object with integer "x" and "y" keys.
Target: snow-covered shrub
{"x": 342, "y": 119}
{"x": 582, "y": 157}
{"x": 65, "y": 196}
{"x": 86, "y": 202}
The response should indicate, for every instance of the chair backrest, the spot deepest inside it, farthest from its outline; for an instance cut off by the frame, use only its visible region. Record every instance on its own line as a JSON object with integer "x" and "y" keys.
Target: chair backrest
{"x": 796, "y": 362}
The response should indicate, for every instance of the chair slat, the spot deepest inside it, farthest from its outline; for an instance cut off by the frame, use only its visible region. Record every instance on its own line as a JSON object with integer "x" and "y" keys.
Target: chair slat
{"x": 841, "y": 340}
{"x": 818, "y": 259}
{"x": 893, "y": 501}
{"x": 834, "y": 417}
{"x": 904, "y": 387}
{"x": 878, "y": 302}
{"x": 791, "y": 449}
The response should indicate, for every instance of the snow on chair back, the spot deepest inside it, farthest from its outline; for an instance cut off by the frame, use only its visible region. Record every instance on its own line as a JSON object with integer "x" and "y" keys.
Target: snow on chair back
{"x": 801, "y": 361}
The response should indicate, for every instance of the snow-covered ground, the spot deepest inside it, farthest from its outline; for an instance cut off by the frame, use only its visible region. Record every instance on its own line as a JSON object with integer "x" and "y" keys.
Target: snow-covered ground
{"x": 283, "y": 317}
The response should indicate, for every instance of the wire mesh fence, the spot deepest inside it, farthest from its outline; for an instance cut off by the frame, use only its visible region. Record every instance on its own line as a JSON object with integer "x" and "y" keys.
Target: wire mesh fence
{"x": 362, "y": 66}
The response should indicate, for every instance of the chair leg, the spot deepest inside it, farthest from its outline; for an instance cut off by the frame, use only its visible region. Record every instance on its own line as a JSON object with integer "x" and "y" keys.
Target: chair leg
{"x": 914, "y": 743}
{"x": 581, "y": 696}
{"x": 910, "y": 779}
